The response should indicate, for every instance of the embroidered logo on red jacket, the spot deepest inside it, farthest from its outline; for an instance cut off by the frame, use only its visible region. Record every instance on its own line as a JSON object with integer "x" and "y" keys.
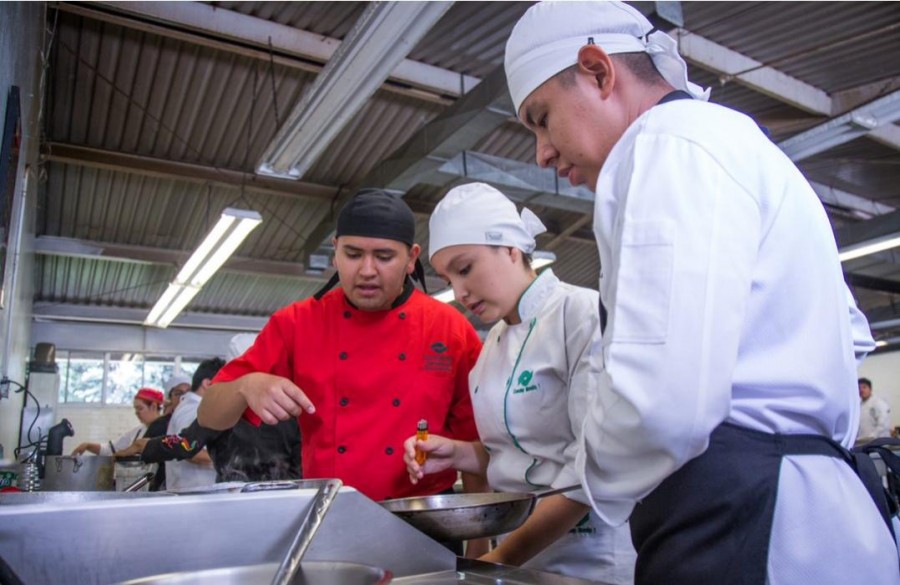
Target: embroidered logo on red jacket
{"x": 437, "y": 360}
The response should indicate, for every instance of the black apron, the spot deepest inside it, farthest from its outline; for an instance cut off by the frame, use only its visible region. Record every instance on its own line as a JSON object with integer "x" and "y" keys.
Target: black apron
{"x": 710, "y": 522}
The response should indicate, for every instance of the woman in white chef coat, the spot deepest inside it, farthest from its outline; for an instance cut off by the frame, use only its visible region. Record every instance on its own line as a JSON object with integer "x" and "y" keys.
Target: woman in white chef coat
{"x": 528, "y": 387}
{"x": 147, "y": 405}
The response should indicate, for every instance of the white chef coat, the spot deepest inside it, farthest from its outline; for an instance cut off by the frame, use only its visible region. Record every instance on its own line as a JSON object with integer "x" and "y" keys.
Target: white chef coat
{"x": 184, "y": 474}
{"x": 874, "y": 419}
{"x": 726, "y": 302}
{"x": 529, "y": 389}
{"x": 125, "y": 440}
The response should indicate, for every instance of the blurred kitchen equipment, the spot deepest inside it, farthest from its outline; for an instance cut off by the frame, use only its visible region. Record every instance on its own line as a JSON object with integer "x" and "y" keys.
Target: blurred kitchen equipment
{"x": 131, "y": 469}
{"x": 464, "y": 516}
{"x": 139, "y": 482}
{"x": 320, "y": 504}
{"x": 313, "y": 573}
{"x": 7, "y": 575}
{"x": 56, "y": 434}
{"x": 79, "y": 473}
{"x": 29, "y": 478}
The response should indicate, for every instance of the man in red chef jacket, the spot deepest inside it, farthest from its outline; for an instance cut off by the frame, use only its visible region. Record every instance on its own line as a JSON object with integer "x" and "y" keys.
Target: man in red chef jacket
{"x": 360, "y": 365}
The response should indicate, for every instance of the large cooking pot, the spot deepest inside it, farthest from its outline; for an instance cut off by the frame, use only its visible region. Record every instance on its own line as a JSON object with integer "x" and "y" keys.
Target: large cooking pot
{"x": 310, "y": 573}
{"x": 75, "y": 473}
{"x": 465, "y": 516}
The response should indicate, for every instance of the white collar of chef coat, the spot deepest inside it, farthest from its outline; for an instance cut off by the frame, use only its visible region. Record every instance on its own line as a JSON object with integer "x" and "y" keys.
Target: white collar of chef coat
{"x": 536, "y": 295}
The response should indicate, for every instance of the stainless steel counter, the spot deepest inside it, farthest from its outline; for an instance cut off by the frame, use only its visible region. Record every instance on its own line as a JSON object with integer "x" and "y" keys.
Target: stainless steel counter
{"x": 91, "y": 539}
{"x": 478, "y": 573}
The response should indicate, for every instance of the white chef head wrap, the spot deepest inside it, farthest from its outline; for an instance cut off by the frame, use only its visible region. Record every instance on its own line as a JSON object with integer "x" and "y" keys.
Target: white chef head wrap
{"x": 239, "y": 344}
{"x": 477, "y": 213}
{"x": 177, "y": 381}
{"x": 549, "y": 35}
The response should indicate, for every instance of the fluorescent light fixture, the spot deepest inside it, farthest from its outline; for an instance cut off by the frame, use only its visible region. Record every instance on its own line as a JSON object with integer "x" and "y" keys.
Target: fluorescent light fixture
{"x": 871, "y": 247}
{"x": 539, "y": 259}
{"x": 233, "y": 226}
{"x": 382, "y": 37}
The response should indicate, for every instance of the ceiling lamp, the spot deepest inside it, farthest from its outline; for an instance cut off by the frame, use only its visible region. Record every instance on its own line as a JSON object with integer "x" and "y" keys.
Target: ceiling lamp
{"x": 233, "y": 226}
{"x": 382, "y": 37}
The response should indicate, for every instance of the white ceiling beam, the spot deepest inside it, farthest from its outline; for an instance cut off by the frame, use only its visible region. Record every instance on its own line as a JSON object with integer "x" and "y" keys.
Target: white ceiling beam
{"x": 94, "y": 250}
{"x": 888, "y": 135}
{"x": 733, "y": 66}
{"x": 234, "y": 26}
{"x": 859, "y": 206}
{"x": 877, "y": 114}
{"x": 195, "y": 173}
{"x": 44, "y": 311}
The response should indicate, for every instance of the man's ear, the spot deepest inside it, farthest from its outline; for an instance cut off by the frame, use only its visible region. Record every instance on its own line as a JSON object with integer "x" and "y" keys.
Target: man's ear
{"x": 594, "y": 61}
{"x": 334, "y": 246}
{"x": 414, "y": 252}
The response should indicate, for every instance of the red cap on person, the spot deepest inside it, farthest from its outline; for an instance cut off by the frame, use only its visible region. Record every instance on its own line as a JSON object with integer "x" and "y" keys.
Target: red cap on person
{"x": 151, "y": 395}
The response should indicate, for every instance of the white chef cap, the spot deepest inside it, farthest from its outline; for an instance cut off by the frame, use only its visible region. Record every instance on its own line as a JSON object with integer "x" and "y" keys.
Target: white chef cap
{"x": 477, "y": 213}
{"x": 547, "y": 39}
{"x": 238, "y": 344}
{"x": 177, "y": 380}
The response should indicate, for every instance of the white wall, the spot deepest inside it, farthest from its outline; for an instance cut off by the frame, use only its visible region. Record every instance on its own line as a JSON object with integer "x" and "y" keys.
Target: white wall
{"x": 95, "y": 424}
{"x": 21, "y": 30}
{"x": 884, "y": 371}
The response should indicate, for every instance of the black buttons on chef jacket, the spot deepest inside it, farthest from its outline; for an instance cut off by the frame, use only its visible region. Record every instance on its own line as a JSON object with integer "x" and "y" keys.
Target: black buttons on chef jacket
{"x": 389, "y": 451}
{"x": 402, "y": 356}
{"x": 345, "y": 401}
{"x": 395, "y": 402}
{"x": 347, "y": 314}
{"x": 342, "y": 449}
{"x": 343, "y": 355}
{"x": 403, "y": 315}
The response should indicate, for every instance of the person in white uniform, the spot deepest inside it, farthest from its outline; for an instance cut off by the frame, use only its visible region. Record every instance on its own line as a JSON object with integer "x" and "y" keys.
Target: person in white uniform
{"x": 725, "y": 406}
{"x": 147, "y": 404}
{"x": 529, "y": 386}
{"x": 197, "y": 471}
{"x": 874, "y": 414}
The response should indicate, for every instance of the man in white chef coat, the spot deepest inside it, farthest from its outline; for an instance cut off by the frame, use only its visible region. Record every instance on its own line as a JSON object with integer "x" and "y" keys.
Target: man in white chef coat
{"x": 725, "y": 404}
{"x": 874, "y": 414}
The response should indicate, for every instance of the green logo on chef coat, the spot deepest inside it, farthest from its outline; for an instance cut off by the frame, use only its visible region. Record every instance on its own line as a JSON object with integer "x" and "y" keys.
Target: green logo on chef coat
{"x": 525, "y": 384}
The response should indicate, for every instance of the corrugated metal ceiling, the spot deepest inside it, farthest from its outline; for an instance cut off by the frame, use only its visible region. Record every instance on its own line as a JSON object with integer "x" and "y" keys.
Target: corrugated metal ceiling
{"x": 123, "y": 89}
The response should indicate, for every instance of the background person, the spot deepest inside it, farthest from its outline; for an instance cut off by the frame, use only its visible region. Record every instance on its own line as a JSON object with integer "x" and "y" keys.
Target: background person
{"x": 196, "y": 471}
{"x": 874, "y": 414}
{"x": 243, "y": 453}
{"x": 530, "y": 385}
{"x": 712, "y": 429}
{"x": 147, "y": 404}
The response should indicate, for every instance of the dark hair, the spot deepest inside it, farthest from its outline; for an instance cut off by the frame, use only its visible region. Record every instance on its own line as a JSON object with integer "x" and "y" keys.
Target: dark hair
{"x": 640, "y": 65}
{"x": 206, "y": 370}
{"x": 865, "y": 381}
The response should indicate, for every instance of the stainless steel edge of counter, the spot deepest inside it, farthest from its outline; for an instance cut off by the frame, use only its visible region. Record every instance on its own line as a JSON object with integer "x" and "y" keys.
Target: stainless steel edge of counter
{"x": 93, "y": 541}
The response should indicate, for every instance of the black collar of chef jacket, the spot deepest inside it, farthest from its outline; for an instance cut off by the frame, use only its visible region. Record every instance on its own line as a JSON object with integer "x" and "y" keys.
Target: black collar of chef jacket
{"x": 675, "y": 95}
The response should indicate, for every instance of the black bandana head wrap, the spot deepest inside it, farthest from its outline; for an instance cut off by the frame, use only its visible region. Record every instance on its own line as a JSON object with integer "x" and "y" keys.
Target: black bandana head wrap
{"x": 373, "y": 213}
{"x": 376, "y": 213}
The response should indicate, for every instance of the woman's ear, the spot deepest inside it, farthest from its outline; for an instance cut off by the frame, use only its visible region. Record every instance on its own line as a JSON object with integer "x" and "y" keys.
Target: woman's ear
{"x": 594, "y": 61}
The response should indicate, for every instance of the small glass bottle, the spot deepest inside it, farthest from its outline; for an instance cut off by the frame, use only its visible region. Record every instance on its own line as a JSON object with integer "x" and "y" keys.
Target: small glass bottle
{"x": 421, "y": 435}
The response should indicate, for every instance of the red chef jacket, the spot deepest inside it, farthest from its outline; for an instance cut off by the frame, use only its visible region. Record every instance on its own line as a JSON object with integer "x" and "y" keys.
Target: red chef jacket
{"x": 371, "y": 376}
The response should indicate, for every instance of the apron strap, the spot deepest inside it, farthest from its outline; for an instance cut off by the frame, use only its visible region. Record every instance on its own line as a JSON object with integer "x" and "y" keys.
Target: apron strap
{"x": 858, "y": 460}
